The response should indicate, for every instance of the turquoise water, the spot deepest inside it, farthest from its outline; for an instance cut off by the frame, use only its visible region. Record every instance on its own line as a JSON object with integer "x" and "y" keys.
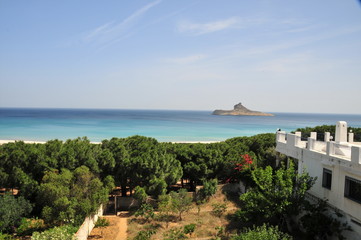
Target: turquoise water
{"x": 164, "y": 125}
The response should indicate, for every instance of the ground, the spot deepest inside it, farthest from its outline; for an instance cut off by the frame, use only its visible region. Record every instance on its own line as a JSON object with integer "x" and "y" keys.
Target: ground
{"x": 117, "y": 229}
{"x": 208, "y": 225}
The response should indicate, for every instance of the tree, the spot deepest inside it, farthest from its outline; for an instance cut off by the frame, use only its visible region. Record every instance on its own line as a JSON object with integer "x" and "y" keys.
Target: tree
{"x": 146, "y": 211}
{"x": 140, "y": 194}
{"x": 318, "y": 223}
{"x": 67, "y": 197}
{"x": 181, "y": 202}
{"x": 208, "y": 190}
{"x": 12, "y": 210}
{"x": 165, "y": 208}
{"x": 277, "y": 196}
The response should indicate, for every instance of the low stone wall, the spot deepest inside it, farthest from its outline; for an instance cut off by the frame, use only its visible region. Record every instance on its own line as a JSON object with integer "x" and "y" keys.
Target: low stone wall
{"x": 88, "y": 225}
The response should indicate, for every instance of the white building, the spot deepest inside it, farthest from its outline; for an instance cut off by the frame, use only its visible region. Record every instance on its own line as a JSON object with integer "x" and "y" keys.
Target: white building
{"x": 337, "y": 166}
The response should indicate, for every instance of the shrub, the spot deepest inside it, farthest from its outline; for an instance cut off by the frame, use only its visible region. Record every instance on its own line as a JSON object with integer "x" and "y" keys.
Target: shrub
{"x": 65, "y": 232}
{"x": 174, "y": 234}
{"x": 102, "y": 222}
{"x": 4, "y": 236}
{"x": 189, "y": 229}
{"x": 145, "y": 234}
{"x": 208, "y": 190}
{"x": 140, "y": 194}
{"x": 219, "y": 209}
{"x": 146, "y": 211}
{"x": 263, "y": 232}
{"x": 12, "y": 210}
{"x": 28, "y": 226}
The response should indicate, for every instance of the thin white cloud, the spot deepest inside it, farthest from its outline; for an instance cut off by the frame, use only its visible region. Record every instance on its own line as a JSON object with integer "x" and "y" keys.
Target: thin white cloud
{"x": 111, "y": 31}
{"x": 204, "y": 28}
{"x": 187, "y": 59}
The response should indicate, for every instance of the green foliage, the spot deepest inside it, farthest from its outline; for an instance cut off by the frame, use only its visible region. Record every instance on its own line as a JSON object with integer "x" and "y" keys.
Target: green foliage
{"x": 144, "y": 234}
{"x": 67, "y": 197}
{"x": 318, "y": 222}
{"x": 145, "y": 211}
{"x": 220, "y": 232}
{"x": 102, "y": 222}
{"x": 181, "y": 202}
{"x": 174, "y": 234}
{"x": 140, "y": 194}
{"x": 277, "y": 195}
{"x": 219, "y": 209}
{"x": 142, "y": 161}
{"x": 328, "y": 128}
{"x": 165, "y": 208}
{"x": 28, "y": 226}
{"x": 12, "y": 210}
{"x": 4, "y": 236}
{"x": 263, "y": 232}
{"x": 65, "y": 232}
{"x": 208, "y": 190}
{"x": 189, "y": 229}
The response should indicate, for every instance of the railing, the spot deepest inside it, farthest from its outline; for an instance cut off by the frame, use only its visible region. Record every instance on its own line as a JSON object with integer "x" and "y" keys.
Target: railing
{"x": 346, "y": 151}
{"x": 342, "y": 150}
{"x": 319, "y": 146}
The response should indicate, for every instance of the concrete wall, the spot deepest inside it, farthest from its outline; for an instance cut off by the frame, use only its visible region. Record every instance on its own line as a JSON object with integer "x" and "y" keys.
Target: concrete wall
{"x": 341, "y": 158}
{"x": 88, "y": 225}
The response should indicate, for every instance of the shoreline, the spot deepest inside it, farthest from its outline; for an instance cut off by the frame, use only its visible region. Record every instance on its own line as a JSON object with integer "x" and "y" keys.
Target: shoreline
{"x": 5, "y": 141}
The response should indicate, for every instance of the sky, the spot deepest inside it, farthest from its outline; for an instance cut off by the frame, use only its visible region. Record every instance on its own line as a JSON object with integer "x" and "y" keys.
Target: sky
{"x": 271, "y": 55}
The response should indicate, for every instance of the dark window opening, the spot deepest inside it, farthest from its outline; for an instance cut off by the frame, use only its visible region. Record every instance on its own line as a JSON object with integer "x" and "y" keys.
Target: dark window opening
{"x": 353, "y": 189}
{"x": 327, "y": 178}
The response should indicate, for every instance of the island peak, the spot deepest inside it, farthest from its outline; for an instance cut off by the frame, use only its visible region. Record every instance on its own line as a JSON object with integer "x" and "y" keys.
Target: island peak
{"x": 240, "y": 110}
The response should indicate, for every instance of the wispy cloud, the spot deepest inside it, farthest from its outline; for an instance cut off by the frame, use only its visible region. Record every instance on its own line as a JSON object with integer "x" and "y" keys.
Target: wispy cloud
{"x": 187, "y": 59}
{"x": 112, "y": 31}
{"x": 204, "y": 28}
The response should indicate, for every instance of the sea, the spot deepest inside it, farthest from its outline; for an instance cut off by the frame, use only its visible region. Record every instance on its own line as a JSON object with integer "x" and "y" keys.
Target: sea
{"x": 163, "y": 125}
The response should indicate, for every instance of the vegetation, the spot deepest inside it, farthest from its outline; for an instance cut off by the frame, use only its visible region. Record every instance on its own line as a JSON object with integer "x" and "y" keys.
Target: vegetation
{"x": 278, "y": 196}
{"x": 63, "y": 182}
{"x": 65, "y": 232}
{"x": 328, "y": 128}
{"x": 11, "y": 212}
{"x": 263, "y": 232}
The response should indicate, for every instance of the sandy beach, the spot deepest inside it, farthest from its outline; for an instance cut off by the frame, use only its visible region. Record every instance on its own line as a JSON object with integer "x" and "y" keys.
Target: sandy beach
{"x": 12, "y": 141}
{"x": 42, "y": 142}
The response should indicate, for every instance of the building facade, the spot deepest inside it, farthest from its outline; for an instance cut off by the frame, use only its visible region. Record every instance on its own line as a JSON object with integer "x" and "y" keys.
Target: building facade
{"x": 337, "y": 166}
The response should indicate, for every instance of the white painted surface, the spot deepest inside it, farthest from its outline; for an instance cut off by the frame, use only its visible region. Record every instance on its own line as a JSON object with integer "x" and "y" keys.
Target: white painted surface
{"x": 341, "y": 157}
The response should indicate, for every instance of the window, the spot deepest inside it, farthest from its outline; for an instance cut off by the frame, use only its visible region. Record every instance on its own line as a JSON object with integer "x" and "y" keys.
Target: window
{"x": 326, "y": 178}
{"x": 353, "y": 189}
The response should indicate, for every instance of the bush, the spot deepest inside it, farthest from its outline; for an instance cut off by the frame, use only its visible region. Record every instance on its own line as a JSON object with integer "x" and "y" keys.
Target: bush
{"x": 4, "y": 236}
{"x": 174, "y": 234}
{"x": 146, "y": 211}
{"x": 28, "y": 226}
{"x": 140, "y": 194}
{"x": 208, "y": 190}
{"x": 102, "y": 222}
{"x": 263, "y": 232}
{"x": 65, "y": 232}
{"x": 144, "y": 234}
{"x": 189, "y": 229}
{"x": 12, "y": 210}
{"x": 219, "y": 209}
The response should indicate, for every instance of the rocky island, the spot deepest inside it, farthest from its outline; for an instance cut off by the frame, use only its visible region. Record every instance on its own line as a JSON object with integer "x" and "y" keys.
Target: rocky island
{"x": 240, "y": 110}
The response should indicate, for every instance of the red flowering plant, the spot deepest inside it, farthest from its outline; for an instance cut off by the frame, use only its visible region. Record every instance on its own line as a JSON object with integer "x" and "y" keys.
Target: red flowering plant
{"x": 242, "y": 170}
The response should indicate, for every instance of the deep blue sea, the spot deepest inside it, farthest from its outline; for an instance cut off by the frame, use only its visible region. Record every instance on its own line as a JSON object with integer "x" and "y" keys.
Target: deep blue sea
{"x": 164, "y": 125}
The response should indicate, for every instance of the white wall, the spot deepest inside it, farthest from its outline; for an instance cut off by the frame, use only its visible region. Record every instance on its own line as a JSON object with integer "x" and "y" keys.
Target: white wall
{"x": 88, "y": 225}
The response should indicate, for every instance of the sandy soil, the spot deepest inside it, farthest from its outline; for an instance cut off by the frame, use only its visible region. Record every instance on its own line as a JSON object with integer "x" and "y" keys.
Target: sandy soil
{"x": 117, "y": 230}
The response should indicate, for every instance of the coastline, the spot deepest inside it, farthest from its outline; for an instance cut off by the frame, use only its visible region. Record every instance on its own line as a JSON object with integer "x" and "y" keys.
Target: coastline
{"x": 4, "y": 141}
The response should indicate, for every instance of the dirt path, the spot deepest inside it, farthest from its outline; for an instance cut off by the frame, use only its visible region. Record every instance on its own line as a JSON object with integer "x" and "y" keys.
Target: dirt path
{"x": 116, "y": 230}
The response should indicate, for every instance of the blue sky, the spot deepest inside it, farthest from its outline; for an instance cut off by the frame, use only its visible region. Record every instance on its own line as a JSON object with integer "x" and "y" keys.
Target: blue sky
{"x": 271, "y": 55}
